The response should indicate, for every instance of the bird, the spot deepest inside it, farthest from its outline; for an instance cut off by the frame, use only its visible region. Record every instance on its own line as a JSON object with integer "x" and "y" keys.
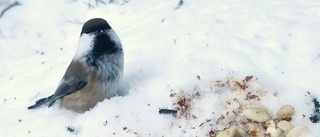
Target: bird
{"x": 95, "y": 72}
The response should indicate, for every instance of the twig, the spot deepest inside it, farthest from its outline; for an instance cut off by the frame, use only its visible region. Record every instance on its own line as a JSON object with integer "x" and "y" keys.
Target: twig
{"x": 90, "y": 6}
{"x": 75, "y": 21}
{"x": 9, "y": 7}
{"x": 180, "y": 3}
{"x": 97, "y": 2}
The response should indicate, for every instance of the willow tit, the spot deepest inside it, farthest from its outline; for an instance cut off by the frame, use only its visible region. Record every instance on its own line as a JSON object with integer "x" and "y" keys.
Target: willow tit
{"x": 95, "y": 71}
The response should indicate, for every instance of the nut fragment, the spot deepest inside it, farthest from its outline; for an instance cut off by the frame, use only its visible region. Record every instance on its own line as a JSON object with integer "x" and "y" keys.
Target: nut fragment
{"x": 179, "y": 113}
{"x": 236, "y": 85}
{"x": 285, "y": 126}
{"x": 299, "y": 131}
{"x": 270, "y": 123}
{"x": 256, "y": 114}
{"x": 274, "y": 132}
{"x": 223, "y": 133}
{"x": 236, "y": 132}
{"x": 231, "y": 104}
{"x": 217, "y": 84}
{"x": 286, "y": 111}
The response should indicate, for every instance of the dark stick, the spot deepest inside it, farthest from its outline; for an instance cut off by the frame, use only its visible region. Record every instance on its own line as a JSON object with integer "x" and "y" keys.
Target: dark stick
{"x": 9, "y": 7}
{"x": 167, "y": 111}
{"x": 179, "y": 4}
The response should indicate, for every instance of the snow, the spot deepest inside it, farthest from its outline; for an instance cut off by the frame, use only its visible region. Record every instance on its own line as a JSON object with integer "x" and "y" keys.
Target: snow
{"x": 165, "y": 48}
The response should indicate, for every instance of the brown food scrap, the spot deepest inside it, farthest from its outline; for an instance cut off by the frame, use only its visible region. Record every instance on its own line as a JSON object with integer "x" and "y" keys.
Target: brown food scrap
{"x": 221, "y": 118}
{"x": 240, "y": 85}
{"x": 173, "y": 94}
{"x": 275, "y": 93}
{"x": 251, "y": 97}
{"x": 181, "y": 102}
{"x": 194, "y": 116}
{"x": 184, "y": 103}
{"x": 267, "y": 135}
{"x": 218, "y": 83}
{"x": 287, "y": 119}
{"x": 253, "y": 133}
{"x": 247, "y": 78}
{"x": 212, "y": 134}
{"x": 187, "y": 105}
{"x": 198, "y": 77}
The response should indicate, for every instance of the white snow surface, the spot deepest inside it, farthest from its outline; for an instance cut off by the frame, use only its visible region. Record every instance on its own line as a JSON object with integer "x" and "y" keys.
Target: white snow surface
{"x": 166, "y": 48}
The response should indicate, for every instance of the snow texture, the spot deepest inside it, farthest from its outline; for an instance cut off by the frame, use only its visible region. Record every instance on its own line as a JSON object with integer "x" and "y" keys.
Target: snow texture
{"x": 167, "y": 49}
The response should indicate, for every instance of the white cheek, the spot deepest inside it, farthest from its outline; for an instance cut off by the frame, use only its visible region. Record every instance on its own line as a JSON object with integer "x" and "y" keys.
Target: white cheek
{"x": 84, "y": 46}
{"x": 114, "y": 37}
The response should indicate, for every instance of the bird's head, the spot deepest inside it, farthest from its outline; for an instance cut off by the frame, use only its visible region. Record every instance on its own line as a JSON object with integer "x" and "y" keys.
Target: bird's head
{"x": 97, "y": 38}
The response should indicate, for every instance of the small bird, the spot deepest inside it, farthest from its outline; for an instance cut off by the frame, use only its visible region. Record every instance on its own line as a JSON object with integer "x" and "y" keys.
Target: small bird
{"x": 95, "y": 71}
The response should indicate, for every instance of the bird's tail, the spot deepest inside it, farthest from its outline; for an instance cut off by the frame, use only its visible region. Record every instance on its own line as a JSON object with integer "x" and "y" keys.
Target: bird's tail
{"x": 40, "y": 102}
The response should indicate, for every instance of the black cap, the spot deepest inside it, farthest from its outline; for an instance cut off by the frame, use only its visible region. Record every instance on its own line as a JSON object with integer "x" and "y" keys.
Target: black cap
{"x": 95, "y": 24}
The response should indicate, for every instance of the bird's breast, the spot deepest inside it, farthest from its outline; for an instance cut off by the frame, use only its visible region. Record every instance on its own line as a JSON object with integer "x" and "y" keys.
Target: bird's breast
{"x": 84, "y": 99}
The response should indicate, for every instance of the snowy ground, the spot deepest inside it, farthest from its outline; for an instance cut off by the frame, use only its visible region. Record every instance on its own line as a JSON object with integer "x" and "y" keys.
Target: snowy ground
{"x": 166, "y": 47}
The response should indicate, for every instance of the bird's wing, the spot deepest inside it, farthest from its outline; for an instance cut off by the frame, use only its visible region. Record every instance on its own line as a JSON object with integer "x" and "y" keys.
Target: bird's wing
{"x": 68, "y": 85}
{"x": 74, "y": 79}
